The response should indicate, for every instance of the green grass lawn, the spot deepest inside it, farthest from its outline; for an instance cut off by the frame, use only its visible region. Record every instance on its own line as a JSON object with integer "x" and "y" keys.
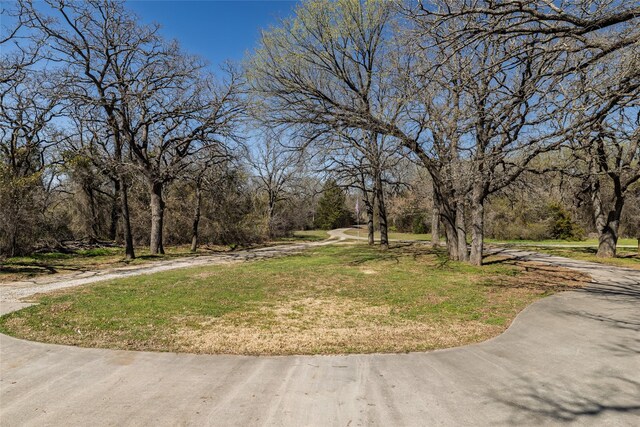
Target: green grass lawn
{"x": 306, "y": 236}
{"x": 583, "y": 250}
{"x": 427, "y": 237}
{"x": 392, "y": 235}
{"x": 624, "y": 257}
{"x": 333, "y": 299}
{"x": 586, "y": 242}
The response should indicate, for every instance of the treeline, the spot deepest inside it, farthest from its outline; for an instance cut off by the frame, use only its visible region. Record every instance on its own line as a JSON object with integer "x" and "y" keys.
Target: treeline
{"x": 539, "y": 207}
{"x": 105, "y": 123}
{"x": 478, "y": 93}
{"x": 479, "y": 118}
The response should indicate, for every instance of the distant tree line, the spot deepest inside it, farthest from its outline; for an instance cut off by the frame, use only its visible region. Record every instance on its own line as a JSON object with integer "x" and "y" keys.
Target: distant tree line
{"x": 466, "y": 118}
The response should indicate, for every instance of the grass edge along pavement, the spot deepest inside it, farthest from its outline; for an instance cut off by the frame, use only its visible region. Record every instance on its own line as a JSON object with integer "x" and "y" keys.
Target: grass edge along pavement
{"x": 625, "y": 257}
{"x": 327, "y": 300}
{"x": 583, "y": 250}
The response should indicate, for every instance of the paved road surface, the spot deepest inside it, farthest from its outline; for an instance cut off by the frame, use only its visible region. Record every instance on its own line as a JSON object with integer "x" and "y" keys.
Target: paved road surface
{"x": 573, "y": 358}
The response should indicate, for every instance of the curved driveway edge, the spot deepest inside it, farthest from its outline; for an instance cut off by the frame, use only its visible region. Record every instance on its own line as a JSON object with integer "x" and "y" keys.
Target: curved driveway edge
{"x": 573, "y": 358}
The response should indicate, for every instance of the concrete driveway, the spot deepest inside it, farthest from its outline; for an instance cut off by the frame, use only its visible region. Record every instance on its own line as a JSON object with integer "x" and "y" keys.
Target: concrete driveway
{"x": 573, "y": 358}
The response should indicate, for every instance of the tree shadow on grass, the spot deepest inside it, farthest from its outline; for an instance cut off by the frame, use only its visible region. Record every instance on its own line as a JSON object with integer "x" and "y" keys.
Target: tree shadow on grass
{"x": 397, "y": 251}
{"x": 619, "y": 281}
{"x": 28, "y": 269}
{"x": 536, "y": 277}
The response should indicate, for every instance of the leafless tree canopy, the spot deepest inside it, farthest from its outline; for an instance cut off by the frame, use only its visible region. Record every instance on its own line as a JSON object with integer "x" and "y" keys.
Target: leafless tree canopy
{"x": 448, "y": 110}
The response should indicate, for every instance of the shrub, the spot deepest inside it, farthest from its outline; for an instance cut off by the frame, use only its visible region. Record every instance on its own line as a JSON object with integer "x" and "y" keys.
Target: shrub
{"x": 419, "y": 225}
{"x": 561, "y": 226}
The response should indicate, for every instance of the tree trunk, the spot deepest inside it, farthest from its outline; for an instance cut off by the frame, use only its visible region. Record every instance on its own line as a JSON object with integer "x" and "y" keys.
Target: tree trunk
{"x": 113, "y": 226}
{"x": 271, "y": 213}
{"x": 93, "y": 220}
{"x": 128, "y": 237}
{"x": 124, "y": 196}
{"x": 435, "y": 226}
{"x": 13, "y": 248}
{"x": 607, "y": 241}
{"x": 452, "y": 241}
{"x": 607, "y": 224}
{"x": 196, "y": 219}
{"x": 370, "y": 228}
{"x": 382, "y": 211}
{"x": 461, "y": 232}
{"x": 448, "y": 220}
{"x": 157, "y": 216}
{"x": 477, "y": 232}
{"x": 444, "y": 203}
{"x": 608, "y": 230}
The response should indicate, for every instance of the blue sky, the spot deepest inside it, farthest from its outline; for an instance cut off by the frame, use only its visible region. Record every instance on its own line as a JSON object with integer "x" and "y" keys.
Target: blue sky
{"x": 216, "y": 30}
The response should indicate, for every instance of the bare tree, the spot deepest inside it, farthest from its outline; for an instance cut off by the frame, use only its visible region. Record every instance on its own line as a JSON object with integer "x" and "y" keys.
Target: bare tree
{"x": 193, "y": 115}
{"x": 364, "y": 160}
{"x": 20, "y": 50}
{"x": 505, "y": 97}
{"x": 29, "y": 103}
{"x": 207, "y": 169}
{"x": 473, "y": 130}
{"x": 93, "y": 40}
{"x": 276, "y": 167}
{"x": 597, "y": 27}
{"x": 335, "y": 67}
{"x": 156, "y": 102}
{"x": 93, "y": 142}
{"x": 596, "y": 47}
{"x": 606, "y": 152}
{"x": 325, "y": 70}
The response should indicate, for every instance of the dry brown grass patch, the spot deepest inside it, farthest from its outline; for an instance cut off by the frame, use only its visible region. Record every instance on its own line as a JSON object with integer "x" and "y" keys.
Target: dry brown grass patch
{"x": 542, "y": 276}
{"x": 326, "y": 325}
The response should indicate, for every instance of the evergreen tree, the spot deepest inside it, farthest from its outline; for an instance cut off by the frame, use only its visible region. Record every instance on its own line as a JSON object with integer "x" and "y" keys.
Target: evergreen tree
{"x": 332, "y": 210}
